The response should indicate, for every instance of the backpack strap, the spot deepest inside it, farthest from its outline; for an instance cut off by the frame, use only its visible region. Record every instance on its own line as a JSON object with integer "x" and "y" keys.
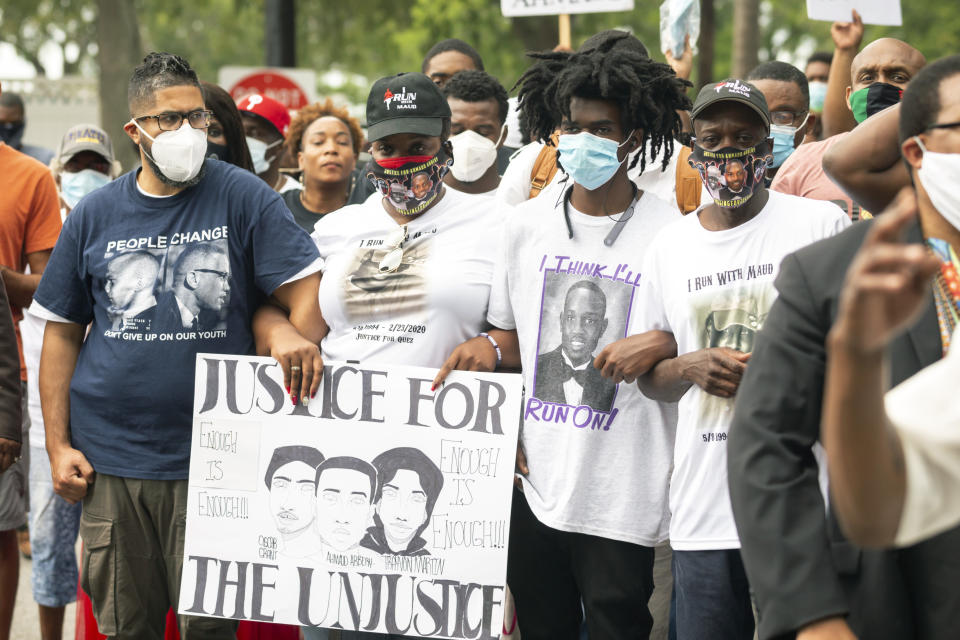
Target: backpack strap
{"x": 689, "y": 185}
{"x": 545, "y": 167}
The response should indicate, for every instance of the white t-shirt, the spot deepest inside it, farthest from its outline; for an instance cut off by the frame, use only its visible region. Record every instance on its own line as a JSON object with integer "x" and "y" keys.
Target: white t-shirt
{"x": 289, "y": 184}
{"x": 925, "y": 413}
{"x": 599, "y": 454}
{"x": 31, "y": 332}
{"x": 437, "y": 298}
{"x": 515, "y": 184}
{"x": 714, "y": 289}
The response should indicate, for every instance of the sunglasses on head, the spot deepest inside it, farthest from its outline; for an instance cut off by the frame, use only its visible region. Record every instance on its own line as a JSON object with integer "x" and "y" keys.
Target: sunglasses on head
{"x": 392, "y": 260}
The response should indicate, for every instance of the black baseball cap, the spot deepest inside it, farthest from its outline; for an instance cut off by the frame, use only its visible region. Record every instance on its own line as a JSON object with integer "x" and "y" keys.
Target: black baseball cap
{"x": 732, "y": 90}
{"x": 405, "y": 103}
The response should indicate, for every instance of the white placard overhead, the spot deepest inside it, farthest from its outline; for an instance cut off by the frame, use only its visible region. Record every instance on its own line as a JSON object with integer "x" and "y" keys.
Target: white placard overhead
{"x": 381, "y": 506}
{"x": 885, "y": 12}
{"x": 513, "y": 8}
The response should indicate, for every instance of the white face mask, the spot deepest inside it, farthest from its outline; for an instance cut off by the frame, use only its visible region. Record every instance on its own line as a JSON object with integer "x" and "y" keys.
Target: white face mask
{"x": 258, "y": 152}
{"x": 178, "y": 154}
{"x": 938, "y": 174}
{"x": 473, "y": 154}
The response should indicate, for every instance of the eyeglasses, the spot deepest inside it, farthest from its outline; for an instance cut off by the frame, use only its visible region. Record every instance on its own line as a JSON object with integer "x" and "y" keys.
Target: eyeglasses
{"x": 784, "y": 118}
{"x": 945, "y": 125}
{"x": 394, "y": 256}
{"x": 223, "y": 275}
{"x": 171, "y": 120}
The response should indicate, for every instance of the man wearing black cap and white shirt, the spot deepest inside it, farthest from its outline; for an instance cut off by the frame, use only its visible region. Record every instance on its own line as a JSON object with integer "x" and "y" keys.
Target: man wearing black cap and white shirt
{"x": 708, "y": 279}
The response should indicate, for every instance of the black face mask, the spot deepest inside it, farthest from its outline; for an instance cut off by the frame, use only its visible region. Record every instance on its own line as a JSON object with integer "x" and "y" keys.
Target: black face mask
{"x": 12, "y": 133}
{"x": 218, "y": 151}
{"x": 872, "y": 100}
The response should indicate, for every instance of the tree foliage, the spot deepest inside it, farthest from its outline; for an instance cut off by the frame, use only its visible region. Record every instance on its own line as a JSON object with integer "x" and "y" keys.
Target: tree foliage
{"x": 378, "y": 37}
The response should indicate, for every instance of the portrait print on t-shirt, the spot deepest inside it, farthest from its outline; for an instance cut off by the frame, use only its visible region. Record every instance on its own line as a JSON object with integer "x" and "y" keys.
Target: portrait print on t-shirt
{"x": 372, "y": 293}
{"x": 579, "y": 316}
{"x": 169, "y": 289}
{"x": 730, "y": 318}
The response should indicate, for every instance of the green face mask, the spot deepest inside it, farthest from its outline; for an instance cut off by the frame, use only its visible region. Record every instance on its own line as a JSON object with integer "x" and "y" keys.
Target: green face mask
{"x": 874, "y": 99}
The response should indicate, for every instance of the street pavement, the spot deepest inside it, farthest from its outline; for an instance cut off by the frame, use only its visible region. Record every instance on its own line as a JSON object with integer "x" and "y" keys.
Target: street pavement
{"x": 26, "y": 623}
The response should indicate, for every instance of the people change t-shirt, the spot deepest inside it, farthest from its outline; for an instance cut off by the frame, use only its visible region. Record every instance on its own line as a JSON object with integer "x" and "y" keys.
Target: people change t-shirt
{"x": 435, "y": 300}
{"x": 599, "y": 453}
{"x": 162, "y": 279}
{"x": 714, "y": 289}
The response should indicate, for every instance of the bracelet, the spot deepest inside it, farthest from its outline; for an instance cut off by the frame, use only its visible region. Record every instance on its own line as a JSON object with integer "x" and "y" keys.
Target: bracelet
{"x": 493, "y": 342}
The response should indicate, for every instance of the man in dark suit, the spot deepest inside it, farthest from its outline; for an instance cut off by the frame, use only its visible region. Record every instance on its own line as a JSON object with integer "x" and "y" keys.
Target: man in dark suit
{"x": 566, "y": 375}
{"x": 807, "y": 579}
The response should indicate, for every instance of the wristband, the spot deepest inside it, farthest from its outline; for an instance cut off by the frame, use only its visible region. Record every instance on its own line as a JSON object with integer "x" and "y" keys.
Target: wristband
{"x": 496, "y": 347}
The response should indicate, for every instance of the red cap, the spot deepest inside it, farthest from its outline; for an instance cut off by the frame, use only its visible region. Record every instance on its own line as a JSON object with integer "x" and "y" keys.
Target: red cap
{"x": 271, "y": 110}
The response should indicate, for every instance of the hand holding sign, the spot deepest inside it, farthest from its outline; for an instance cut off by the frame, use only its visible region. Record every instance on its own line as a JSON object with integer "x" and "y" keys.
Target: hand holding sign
{"x": 848, "y": 35}
{"x": 885, "y": 12}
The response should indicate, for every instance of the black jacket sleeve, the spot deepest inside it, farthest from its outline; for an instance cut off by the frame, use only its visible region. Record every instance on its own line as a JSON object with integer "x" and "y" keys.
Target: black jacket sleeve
{"x": 773, "y": 475}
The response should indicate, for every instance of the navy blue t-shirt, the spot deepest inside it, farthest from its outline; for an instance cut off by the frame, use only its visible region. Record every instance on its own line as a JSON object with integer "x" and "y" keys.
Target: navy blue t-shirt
{"x": 162, "y": 279}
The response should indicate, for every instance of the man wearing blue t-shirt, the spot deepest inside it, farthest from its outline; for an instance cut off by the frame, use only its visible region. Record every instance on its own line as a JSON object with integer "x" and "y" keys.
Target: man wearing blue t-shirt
{"x": 118, "y": 404}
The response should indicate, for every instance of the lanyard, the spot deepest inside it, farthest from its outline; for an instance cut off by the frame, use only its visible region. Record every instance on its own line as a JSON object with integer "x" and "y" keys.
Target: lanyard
{"x": 618, "y": 226}
{"x": 947, "y": 289}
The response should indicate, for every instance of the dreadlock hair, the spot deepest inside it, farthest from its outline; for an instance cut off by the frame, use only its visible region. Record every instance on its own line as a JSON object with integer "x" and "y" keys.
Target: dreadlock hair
{"x": 648, "y": 93}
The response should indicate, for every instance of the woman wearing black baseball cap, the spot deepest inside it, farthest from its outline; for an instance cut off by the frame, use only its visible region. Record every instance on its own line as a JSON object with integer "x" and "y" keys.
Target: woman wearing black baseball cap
{"x": 415, "y": 261}
{"x": 407, "y": 273}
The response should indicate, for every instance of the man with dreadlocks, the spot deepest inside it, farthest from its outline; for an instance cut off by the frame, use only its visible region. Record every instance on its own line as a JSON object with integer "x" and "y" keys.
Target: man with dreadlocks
{"x": 529, "y": 165}
{"x": 708, "y": 280}
{"x": 593, "y": 501}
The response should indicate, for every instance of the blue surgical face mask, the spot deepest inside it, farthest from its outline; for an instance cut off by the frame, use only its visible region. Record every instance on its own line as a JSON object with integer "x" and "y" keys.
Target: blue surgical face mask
{"x": 818, "y": 95}
{"x": 783, "y": 142}
{"x": 590, "y": 160}
{"x": 74, "y": 186}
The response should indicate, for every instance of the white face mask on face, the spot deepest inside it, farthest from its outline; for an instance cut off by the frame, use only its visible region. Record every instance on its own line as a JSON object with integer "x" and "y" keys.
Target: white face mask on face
{"x": 938, "y": 175}
{"x": 178, "y": 154}
{"x": 473, "y": 154}
{"x": 258, "y": 152}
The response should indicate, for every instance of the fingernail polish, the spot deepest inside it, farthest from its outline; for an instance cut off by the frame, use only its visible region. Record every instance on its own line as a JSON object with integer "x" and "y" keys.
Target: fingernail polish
{"x": 287, "y": 388}
{"x": 293, "y": 400}
{"x": 433, "y": 388}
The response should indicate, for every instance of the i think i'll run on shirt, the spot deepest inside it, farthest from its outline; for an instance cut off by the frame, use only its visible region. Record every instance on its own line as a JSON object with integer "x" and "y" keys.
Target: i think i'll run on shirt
{"x": 599, "y": 453}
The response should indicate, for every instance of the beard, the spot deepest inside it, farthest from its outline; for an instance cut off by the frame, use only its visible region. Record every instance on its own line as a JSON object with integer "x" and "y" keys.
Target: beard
{"x": 178, "y": 184}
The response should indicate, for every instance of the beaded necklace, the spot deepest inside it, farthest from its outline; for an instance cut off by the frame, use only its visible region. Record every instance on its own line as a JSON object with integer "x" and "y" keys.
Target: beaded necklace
{"x": 946, "y": 289}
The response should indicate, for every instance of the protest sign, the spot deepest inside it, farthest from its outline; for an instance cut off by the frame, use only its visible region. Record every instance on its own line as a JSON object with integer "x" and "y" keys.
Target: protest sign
{"x": 886, "y": 12}
{"x": 515, "y": 8}
{"x": 381, "y": 506}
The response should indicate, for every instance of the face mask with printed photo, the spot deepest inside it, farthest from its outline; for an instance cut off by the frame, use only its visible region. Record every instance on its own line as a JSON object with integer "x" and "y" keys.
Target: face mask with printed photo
{"x": 731, "y": 175}
{"x": 411, "y": 183}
